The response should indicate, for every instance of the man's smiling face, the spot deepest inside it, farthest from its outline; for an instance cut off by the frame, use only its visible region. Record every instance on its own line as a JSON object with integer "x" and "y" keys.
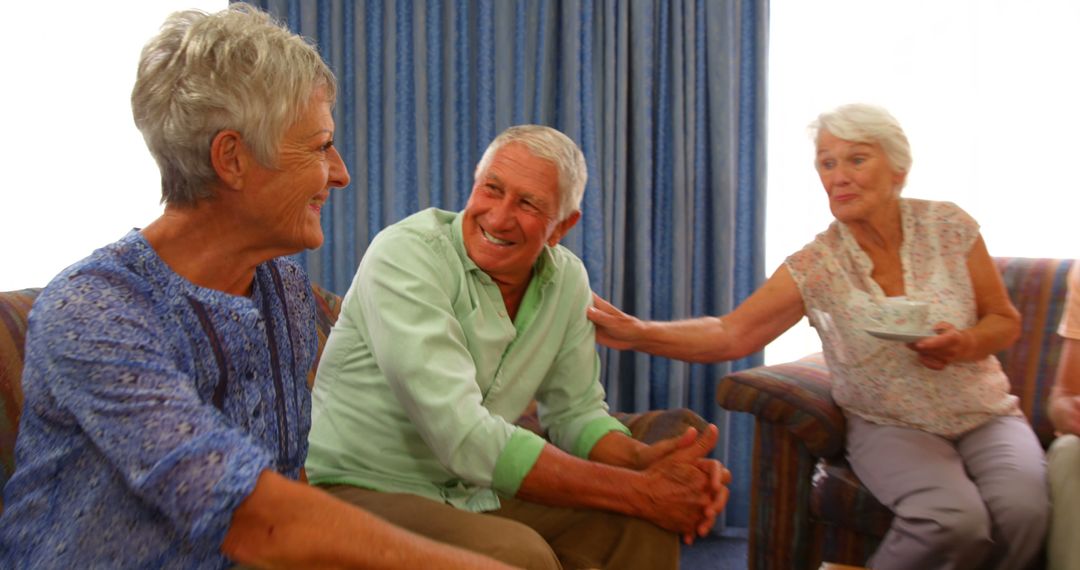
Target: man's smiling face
{"x": 512, "y": 213}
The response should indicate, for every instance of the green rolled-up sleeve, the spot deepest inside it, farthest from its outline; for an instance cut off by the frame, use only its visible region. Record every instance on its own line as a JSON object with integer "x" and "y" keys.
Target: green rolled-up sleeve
{"x": 516, "y": 460}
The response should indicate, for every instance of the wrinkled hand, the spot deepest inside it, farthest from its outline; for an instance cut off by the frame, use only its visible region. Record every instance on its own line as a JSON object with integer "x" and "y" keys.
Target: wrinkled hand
{"x": 614, "y": 328}
{"x": 719, "y": 477}
{"x": 685, "y": 490}
{"x": 939, "y": 351}
{"x": 654, "y": 452}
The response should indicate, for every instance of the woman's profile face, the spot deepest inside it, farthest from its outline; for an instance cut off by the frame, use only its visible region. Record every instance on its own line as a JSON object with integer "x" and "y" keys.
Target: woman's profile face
{"x": 288, "y": 200}
{"x": 857, "y": 177}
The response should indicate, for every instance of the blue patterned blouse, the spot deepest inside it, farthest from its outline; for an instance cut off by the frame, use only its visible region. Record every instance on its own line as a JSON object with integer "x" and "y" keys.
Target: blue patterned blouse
{"x": 151, "y": 407}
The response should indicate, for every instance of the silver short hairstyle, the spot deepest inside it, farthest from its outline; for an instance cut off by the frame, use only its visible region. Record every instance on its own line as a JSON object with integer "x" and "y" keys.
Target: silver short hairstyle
{"x": 204, "y": 73}
{"x": 859, "y": 122}
{"x": 549, "y": 144}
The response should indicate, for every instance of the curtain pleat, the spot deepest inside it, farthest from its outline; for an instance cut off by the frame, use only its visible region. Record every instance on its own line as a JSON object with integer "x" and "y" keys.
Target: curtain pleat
{"x": 666, "y": 99}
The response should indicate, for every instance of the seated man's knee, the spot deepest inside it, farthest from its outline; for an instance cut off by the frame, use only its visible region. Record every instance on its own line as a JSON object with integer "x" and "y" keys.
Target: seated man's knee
{"x": 659, "y": 546}
{"x": 518, "y": 545}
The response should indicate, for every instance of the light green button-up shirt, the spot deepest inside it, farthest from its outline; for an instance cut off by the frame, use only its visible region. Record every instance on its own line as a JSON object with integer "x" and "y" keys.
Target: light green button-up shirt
{"x": 424, "y": 372}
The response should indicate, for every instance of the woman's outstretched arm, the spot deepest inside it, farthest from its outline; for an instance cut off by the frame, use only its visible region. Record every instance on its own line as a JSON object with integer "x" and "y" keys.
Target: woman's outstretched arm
{"x": 774, "y": 308}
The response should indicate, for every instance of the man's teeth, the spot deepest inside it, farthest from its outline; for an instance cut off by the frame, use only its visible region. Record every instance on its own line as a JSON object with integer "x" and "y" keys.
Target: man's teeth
{"x": 494, "y": 239}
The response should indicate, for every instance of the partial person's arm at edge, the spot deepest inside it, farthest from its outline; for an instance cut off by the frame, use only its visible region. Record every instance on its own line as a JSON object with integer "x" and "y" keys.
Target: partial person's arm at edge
{"x": 998, "y": 325}
{"x": 1064, "y": 408}
{"x": 775, "y": 307}
{"x": 1064, "y": 405}
{"x": 286, "y": 524}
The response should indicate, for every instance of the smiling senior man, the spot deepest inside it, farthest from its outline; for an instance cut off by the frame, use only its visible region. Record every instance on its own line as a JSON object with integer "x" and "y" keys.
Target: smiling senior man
{"x": 454, "y": 323}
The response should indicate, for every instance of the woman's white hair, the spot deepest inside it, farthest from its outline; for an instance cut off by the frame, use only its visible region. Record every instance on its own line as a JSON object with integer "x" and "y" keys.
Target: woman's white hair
{"x": 203, "y": 73}
{"x": 859, "y": 122}
{"x": 549, "y": 144}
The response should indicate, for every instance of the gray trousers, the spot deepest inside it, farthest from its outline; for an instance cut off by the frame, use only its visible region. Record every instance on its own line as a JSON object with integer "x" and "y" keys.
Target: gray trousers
{"x": 1063, "y": 545}
{"x": 977, "y": 501}
{"x": 526, "y": 534}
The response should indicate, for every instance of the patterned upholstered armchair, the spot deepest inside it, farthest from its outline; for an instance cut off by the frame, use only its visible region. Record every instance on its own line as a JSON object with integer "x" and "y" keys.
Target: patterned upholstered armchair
{"x": 15, "y": 308}
{"x": 807, "y": 505}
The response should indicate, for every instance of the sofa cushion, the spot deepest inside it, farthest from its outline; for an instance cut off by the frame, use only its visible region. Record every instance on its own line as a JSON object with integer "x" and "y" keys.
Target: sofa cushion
{"x": 327, "y": 309}
{"x": 14, "y": 312}
{"x": 656, "y": 425}
{"x": 648, "y": 427}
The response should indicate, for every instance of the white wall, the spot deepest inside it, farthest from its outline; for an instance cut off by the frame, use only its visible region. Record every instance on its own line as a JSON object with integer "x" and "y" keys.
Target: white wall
{"x": 76, "y": 172}
{"x": 986, "y": 90}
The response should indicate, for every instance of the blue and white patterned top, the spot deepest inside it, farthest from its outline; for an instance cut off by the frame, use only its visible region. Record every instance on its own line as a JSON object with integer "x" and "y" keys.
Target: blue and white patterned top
{"x": 151, "y": 407}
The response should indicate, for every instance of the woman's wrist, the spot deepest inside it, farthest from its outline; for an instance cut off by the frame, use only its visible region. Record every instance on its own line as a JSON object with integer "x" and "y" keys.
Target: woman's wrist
{"x": 970, "y": 342}
{"x": 647, "y": 335}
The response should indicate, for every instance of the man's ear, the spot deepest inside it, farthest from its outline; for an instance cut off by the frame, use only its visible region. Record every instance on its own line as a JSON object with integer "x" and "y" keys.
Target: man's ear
{"x": 563, "y": 227}
{"x": 230, "y": 158}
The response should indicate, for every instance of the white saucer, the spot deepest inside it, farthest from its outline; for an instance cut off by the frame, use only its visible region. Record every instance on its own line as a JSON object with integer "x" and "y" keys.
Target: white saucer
{"x": 898, "y": 335}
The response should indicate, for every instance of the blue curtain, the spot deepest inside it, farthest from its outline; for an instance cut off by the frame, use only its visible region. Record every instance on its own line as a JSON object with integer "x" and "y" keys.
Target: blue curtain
{"x": 665, "y": 97}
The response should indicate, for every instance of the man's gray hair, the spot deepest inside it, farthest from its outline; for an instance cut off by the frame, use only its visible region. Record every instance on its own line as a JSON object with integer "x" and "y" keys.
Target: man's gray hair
{"x": 859, "y": 122}
{"x": 549, "y": 144}
{"x": 204, "y": 73}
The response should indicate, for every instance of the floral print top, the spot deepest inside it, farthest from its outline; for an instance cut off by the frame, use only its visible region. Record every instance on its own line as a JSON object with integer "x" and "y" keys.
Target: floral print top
{"x": 882, "y": 381}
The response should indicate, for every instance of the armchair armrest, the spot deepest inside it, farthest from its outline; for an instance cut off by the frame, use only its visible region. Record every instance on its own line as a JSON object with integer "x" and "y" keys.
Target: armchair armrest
{"x": 795, "y": 395}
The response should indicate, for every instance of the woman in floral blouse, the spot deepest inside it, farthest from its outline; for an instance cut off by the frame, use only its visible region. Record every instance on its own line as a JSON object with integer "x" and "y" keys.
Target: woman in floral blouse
{"x": 932, "y": 429}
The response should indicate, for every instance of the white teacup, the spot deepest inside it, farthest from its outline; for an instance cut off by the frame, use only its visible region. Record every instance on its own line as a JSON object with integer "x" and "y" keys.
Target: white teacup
{"x": 900, "y": 314}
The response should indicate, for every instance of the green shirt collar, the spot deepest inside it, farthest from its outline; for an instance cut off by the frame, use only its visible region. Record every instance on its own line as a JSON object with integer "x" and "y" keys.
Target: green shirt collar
{"x": 543, "y": 269}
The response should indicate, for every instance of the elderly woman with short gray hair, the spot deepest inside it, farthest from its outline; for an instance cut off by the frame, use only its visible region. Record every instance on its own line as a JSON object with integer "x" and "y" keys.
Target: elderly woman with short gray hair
{"x": 933, "y": 431}
{"x": 166, "y": 405}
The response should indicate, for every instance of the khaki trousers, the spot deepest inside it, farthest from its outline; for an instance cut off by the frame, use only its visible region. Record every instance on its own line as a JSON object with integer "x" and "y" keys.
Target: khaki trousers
{"x": 1063, "y": 552}
{"x": 528, "y": 535}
